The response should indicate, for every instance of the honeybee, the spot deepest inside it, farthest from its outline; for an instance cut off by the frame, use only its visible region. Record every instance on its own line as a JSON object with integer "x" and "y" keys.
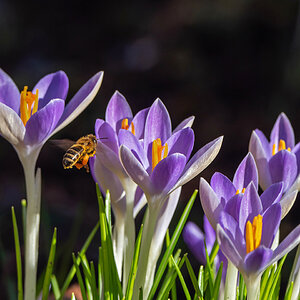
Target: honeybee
{"x": 79, "y": 153}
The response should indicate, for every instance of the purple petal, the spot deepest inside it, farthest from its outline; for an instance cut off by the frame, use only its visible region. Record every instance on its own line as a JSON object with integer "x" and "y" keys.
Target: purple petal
{"x": 132, "y": 143}
{"x": 227, "y": 247}
{"x": 194, "y": 238}
{"x": 264, "y": 143}
{"x": 271, "y": 222}
{"x": 283, "y": 130}
{"x": 135, "y": 169}
{"x": 9, "y": 93}
{"x": 109, "y": 137}
{"x": 210, "y": 234}
{"x": 200, "y": 161}
{"x": 296, "y": 151}
{"x": 233, "y": 206}
{"x": 98, "y": 124}
{"x": 259, "y": 148}
{"x": 181, "y": 142}
{"x": 117, "y": 110}
{"x": 251, "y": 206}
{"x": 231, "y": 227}
{"x": 288, "y": 244}
{"x": 283, "y": 167}
{"x": 287, "y": 202}
{"x": 188, "y": 122}
{"x": 11, "y": 126}
{"x": 271, "y": 195}
{"x": 139, "y": 122}
{"x": 42, "y": 123}
{"x": 245, "y": 173}
{"x": 257, "y": 260}
{"x": 158, "y": 124}
{"x": 210, "y": 202}
{"x": 167, "y": 172}
{"x": 80, "y": 101}
{"x": 139, "y": 201}
{"x": 52, "y": 86}
{"x": 222, "y": 186}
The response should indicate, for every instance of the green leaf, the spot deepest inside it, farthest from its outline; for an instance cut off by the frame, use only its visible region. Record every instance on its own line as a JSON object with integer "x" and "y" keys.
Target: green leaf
{"x": 108, "y": 209}
{"x": 209, "y": 275}
{"x": 82, "y": 251}
{"x": 55, "y": 287}
{"x": 201, "y": 279}
{"x": 79, "y": 277}
{"x": 193, "y": 277}
{"x": 269, "y": 283}
{"x": 49, "y": 267}
{"x": 173, "y": 242}
{"x": 18, "y": 254}
{"x": 217, "y": 282}
{"x": 289, "y": 292}
{"x": 24, "y": 208}
{"x": 241, "y": 288}
{"x": 132, "y": 274}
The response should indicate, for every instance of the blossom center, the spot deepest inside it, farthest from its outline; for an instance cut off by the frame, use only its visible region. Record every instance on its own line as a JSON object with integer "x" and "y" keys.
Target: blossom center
{"x": 238, "y": 191}
{"x": 253, "y": 233}
{"x": 157, "y": 150}
{"x": 125, "y": 125}
{"x": 281, "y": 146}
{"x": 29, "y": 104}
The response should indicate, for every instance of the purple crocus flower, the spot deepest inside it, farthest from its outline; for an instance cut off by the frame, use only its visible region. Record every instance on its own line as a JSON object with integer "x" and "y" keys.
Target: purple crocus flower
{"x": 222, "y": 191}
{"x": 196, "y": 240}
{"x": 246, "y": 238}
{"x": 279, "y": 159}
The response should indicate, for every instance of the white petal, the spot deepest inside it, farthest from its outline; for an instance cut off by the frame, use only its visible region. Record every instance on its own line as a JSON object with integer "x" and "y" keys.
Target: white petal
{"x": 11, "y": 126}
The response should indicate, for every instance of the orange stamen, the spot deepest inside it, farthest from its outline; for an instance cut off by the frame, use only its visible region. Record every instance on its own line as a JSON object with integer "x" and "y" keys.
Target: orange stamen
{"x": 125, "y": 126}
{"x": 281, "y": 146}
{"x": 157, "y": 150}
{"x": 238, "y": 191}
{"x": 253, "y": 233}
{"x": 28, "y": 99}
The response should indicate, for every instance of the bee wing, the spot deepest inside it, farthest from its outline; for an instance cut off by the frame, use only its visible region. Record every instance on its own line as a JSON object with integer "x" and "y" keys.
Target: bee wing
{"x": 64, "y": 144}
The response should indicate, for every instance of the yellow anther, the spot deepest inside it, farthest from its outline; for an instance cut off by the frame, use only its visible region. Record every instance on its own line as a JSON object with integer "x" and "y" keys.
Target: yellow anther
{"x": 253, "y": 233}
{"x": 238, "y": 191}
{"x": 157, "y": 150}
{"x": 243, "y": 190}
{"x": 281, "y": 145}
{"x": 274, "y": 149}
{"x": 28, "y": 99}
{"x": 125, "y": 126}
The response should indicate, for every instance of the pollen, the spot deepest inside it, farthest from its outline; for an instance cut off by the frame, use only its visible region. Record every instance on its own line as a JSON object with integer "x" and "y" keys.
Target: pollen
{"x": 238, "y": 191}
{"x": 126, "y": 126}
{"x": 253, "y": 233}
{"x": 281, "y": 146}
{"x": 28, "y": 104}
{"x": 157, "y": 150}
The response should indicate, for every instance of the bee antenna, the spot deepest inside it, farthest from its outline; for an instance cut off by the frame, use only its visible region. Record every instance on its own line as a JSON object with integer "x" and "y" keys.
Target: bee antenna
{"x": 102, "y": 138}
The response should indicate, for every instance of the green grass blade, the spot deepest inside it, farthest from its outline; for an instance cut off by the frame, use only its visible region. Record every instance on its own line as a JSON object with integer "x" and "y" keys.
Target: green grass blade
{"x": 90, "y": 283}
{"x": 108, "y": 209}
{"x": 18, "y": 254}
{"x": 183, "y": 284}
{"x": 100, "y": 274}
{"x": 217, "y": 282}
{"x": 55, "y": 287}
{"x": 268, "y": 284}
{"x": 173, "y": 242}
{"x": 79, "y": 277}
{"x": 82, "y": 251}
{"x": 94, "y": 284}
{"x": 214, "y": 252}
{"x": 241, "y": 288}
{"x": 193, "y": 277}
{"x": 132, "y": 274}
{"x": 209, "y": 274}
{"x": 201, "y": 279}
{"x": 141, "y": 294}
{"x": 264, "y": 280}
{"x": 289, "y": 292}
{"x": 49, "y": 267}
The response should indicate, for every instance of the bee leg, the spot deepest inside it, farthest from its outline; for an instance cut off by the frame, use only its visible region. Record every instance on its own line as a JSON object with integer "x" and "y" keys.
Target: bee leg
{"x": 78, "y": 165}
{"x": 85, "y": 161}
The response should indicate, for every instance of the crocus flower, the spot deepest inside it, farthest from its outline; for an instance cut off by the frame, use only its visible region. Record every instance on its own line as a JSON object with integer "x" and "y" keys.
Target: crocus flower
{"x": 196, "y": 240}
{"x": 246, "y": 238}
{"x": 279, "y": 159}
{"x": 27, "y": 120}
{"x": 160, "y": 164}
{"x": 222, "y": 191}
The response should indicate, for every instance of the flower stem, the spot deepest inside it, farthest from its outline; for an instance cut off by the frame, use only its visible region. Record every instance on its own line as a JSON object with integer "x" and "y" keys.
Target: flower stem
{"x": 33, "y": 191}
{"x": 295, "y": 276}
{"x": 253, "y": 287}
{"x": 231, "y": 281}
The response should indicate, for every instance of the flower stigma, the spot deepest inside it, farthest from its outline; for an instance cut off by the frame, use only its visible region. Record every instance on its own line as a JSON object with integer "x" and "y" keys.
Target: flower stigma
{"x": 281, "y": 146}
{"x": 157, "y": 150}
{"x": 253, "y": 233}
{"x": 27, "y": 100}
{"x": 125, "y": 125}
{"x": 238, "y": 191}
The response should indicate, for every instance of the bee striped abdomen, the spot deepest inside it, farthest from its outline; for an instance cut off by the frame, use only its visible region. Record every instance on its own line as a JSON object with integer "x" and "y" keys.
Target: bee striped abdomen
{"x": 72, "y": 156}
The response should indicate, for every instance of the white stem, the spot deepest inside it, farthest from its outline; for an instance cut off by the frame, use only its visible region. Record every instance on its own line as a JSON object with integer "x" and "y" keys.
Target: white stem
{"x": 33, "y": 189}
{"x": 295, "y": 276}
{"x": 253, "y": 287}
{"x": 146, "y": 263}
{"x": 118, "y": 243}
{"x": 231, "y": 282}
{"x": 129, "y": 231}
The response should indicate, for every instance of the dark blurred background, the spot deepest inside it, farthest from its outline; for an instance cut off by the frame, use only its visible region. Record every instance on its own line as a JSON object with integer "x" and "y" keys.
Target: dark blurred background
{"x": 233, "y": 64}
